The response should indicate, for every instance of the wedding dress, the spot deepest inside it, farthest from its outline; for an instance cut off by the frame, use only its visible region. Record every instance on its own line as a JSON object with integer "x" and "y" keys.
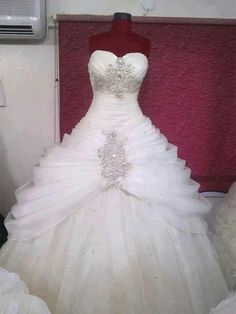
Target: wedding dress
{"x": 111, "y": 222}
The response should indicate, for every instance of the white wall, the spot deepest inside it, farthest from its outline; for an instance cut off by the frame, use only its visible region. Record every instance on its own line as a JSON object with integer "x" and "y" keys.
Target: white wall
{"x": 27, "y": 124}
{"x": 28, "y": 74}
{"x": 168, "y": 8}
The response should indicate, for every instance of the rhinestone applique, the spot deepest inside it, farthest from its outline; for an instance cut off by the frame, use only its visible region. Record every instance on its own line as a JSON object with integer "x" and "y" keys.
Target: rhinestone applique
{"x": 118, "y": 79}
{"x": 113, "y": 160}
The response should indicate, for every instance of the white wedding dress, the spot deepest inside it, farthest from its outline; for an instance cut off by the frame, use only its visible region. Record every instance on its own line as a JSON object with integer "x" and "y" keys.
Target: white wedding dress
{"x": 111, "y": 222}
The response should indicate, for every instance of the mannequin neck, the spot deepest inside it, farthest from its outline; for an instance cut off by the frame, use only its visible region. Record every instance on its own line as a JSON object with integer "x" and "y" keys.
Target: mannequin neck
{"x": 121, "y": 26}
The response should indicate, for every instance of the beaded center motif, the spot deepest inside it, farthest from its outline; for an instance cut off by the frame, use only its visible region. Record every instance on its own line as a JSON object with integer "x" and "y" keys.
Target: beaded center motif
{"x": 113, "y": 160}
{"x": 119, "y": 78}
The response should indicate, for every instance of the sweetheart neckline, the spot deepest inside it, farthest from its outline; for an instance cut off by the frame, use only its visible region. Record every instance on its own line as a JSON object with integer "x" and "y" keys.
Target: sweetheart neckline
{"x": 129, "y": 53}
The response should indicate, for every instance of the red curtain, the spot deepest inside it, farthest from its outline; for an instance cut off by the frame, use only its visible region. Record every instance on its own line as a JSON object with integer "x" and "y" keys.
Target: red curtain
{"x": 189, "y": 92}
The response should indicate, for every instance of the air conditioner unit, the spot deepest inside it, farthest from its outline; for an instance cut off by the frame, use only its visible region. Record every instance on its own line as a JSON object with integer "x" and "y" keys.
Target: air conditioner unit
{"x": 23, "y": 19}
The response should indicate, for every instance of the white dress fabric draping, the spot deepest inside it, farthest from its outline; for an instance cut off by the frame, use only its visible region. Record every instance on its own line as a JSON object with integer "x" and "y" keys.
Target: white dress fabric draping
{"x": 111, "y": 221}
{"x": 223, "y": 233}
{"x": 227, "y": 306}
{"x": 15, "y": 297}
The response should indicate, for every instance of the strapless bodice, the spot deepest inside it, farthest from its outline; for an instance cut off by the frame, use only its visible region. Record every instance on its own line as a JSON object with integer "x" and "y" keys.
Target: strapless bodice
{"x": 116, "y": 82}
{"x": 120, "y": 77}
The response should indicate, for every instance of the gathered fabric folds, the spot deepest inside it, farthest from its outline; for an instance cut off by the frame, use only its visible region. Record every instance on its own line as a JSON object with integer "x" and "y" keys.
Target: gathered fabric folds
{"x": 69, "y": 175}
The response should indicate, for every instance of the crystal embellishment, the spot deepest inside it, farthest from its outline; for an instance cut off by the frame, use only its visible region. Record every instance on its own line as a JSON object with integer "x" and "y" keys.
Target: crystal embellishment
{"x": 113, "y": 160}
{"x": 119, "y": 78}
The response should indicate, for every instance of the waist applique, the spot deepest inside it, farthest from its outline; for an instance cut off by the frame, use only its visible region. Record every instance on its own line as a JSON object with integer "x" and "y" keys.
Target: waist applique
{"x": 113, "y": 160}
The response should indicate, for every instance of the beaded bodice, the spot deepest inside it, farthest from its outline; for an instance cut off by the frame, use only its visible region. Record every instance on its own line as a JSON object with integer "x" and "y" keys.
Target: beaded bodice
{"x": 117, "y": 76}
{"x": 116, "y": 81}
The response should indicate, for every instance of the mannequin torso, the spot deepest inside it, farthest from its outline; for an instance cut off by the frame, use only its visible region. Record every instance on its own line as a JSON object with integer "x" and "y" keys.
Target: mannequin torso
{"x": 120, "y": 39}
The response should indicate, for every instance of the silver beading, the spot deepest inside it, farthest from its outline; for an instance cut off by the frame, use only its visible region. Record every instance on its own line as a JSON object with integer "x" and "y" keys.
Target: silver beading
{"x": 113, "y": 160}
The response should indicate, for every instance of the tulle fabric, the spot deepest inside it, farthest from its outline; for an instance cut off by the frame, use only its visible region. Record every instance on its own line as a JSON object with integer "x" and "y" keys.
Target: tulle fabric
{"x": 15, "y": 297}
{"x": 118, "y": 255}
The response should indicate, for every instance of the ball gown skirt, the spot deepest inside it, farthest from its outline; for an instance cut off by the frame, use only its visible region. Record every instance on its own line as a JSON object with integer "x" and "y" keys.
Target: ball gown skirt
{"x": 111, "y": 222}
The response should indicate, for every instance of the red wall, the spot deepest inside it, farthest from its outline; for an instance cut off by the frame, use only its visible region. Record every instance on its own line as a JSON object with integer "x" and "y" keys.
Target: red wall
{"x": 189, "y": 92}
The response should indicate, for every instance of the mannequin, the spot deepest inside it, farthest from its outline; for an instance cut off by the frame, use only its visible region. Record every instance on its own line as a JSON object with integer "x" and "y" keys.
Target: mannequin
{"x": 120, "y": 39}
